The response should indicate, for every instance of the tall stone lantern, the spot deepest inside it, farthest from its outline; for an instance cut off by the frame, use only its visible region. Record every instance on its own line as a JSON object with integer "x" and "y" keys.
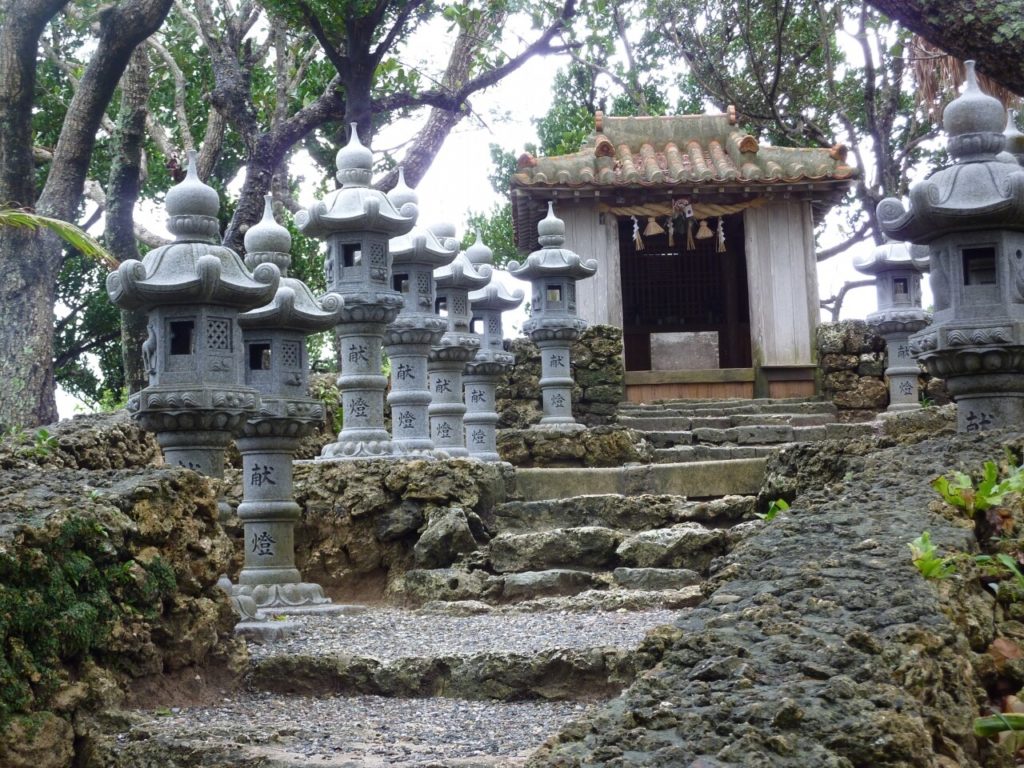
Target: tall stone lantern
{"x": 357, "y": 221}
{"x": 971, "y": 217}
{"x": 553, "y": 325}
{"x": 409, "y": 337}
{"x": 192, "y": 291}
{"x": 456, "y": 348}
{"x": 491, "y": 361}
{"x": 898, "y": 288}
{"x": 274, "y": 336}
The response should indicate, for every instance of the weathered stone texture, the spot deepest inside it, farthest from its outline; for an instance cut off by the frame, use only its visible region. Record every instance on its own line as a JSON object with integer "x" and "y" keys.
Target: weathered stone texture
{"x": 820, "y": 643}
{"x": 603, "y": 446}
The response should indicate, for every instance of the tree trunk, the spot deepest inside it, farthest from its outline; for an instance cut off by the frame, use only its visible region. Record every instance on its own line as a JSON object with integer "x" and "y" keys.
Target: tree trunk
{"x": 122, "y": 194}
{"x": 29, "y": 264}
{"x": 26, "y": 287}
{"x": 968, "y": 29}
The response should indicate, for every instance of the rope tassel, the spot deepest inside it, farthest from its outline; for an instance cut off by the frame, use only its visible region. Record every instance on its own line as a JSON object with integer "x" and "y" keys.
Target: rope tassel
{"x": 637, "y": 240}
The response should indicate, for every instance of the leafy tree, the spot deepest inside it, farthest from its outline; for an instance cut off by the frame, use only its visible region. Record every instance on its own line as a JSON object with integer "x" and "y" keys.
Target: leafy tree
{"x": 988, "y": 31}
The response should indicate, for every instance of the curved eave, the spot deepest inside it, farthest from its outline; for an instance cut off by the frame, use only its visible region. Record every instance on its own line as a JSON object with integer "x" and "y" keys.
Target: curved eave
{"x": 496, "y": 297}
{"x": 353, "y": 210}
{"x": 553, "y": 262}
{"x": 420, "y": 246}
{"x": 462, "y": 273}
{"x": 295, "y": 309}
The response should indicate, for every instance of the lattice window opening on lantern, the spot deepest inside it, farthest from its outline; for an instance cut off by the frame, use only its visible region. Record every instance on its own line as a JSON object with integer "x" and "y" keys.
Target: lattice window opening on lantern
{"x": 494, "y": 328}
{"x": 182, "y": 335}
{"x": 291, "y": 355}
{"x": 459, "y": 305}
{"x": 377, "y": 254}
{"x": 218, "y": 334}
{"x": 423, "y": 283}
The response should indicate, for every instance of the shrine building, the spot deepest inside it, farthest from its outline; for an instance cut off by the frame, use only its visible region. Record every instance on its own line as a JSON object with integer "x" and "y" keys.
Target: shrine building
{"x": 704, "y": 240}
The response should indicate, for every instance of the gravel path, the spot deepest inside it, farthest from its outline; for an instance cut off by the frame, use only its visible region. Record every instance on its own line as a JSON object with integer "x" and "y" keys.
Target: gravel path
{"x": 387, "y": 634}
{"x": 364, "y": 731}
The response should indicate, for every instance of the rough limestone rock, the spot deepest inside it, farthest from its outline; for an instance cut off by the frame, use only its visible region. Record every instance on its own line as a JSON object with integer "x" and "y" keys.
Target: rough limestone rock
{"x": 821, "y": 644}
{"x": 419, "y": 586}
{"x": 584, "y": 547}
{"x": 41, "y": 741}
{"x": 95, "y": 441}
{"x": 355, "y": 535}
{"x": 605, "y": 446}
{"x": 447, "y": 537}
{"x": 866, "y": 394}
{"x": 109, "y": 578}
{"x": 686, "y": 545}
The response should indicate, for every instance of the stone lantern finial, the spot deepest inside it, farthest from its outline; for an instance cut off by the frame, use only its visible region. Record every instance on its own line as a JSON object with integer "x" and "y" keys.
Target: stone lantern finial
{"x": 192, "y": 207}
{"x": 268, "y": 241}
{"x": 403, "y": 195}
{"x": 478, "y": 253}
{"x": 974, "y": 122}
{"x": 1014, "y": 151}
{"x": 354, "y": 162}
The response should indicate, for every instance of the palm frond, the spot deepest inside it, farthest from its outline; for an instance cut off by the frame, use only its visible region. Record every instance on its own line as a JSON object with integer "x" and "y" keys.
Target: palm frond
{"x": 69, "y": 233}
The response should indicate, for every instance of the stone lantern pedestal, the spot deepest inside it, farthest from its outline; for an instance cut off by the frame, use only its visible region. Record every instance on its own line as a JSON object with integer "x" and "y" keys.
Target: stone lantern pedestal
{"x": 409, "y": 338}
{"x": 898, "y": 286}
{"x": 971, "y": 217}
{"x": 486, "y": 368}
{"x": 457, "y": 347}
{"x": 276, "y": 364}
{"x": 553, "y": 325}
{"x": 357, "y": 221}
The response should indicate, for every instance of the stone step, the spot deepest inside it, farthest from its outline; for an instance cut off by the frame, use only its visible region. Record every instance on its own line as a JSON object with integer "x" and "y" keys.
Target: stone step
{"x": 267, "y": 730}
{"x": 687, "y": 453}
{"x": 695, "y": 479}
{"x": 633, "y": 513}
{"x": 503, "y": 656}
{"x": 674, "y": 421}
{"x": 730, "y": 407}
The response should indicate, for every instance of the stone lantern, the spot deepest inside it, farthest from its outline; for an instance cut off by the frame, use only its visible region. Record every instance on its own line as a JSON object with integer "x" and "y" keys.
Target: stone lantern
{"x": 192, "y": 291}
{"x": 276, "y": 364}
{"x": 491, "y": 361}
{"x": 971, "y": 217}
{"x": 456, "y": 348}
{"x": 898, "y": 288}
{"x": 357, "y": 221}
{"x": 553, "y": 325}
{"x": 409, "y": 337}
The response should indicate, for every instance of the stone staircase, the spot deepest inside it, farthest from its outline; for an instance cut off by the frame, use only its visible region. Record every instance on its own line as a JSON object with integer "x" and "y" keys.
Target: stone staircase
{"x": 569, "y": 595}
{"x": 706, "y": 430}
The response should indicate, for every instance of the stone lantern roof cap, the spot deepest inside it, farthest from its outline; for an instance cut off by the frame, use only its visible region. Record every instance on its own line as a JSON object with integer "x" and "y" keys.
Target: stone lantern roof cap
{"x": 552, "y": 260}
{"x": 191, "y": 270}
{"x": 978, "y": 192}
{"x": 294, "y": 308}
{"x": 462, "y": 273}
{"x": 885, "y": 258}
{"x": 444, "y": 231}
{"x": 495, "y": 296}
{"x": 421, "y": 246}
{"x": 268, "y": 241}
{"x": 191, "y": 273}
{"x": 402, "y": 193}
{"x": 356, "y": 207}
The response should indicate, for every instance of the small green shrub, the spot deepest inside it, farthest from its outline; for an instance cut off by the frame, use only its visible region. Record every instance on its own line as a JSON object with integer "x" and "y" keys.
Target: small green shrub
{"x": 927, "y": 560}
{"x": 779, "y": 505}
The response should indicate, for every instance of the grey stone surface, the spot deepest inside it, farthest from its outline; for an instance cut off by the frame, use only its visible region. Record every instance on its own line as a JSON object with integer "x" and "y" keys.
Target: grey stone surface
{"x": 447, "y": 537}
{"x": 554, "y": 581}
{"x": 685, "y": 545}
{"x": 656, "y": 578}
{"x": 582, "y": 547}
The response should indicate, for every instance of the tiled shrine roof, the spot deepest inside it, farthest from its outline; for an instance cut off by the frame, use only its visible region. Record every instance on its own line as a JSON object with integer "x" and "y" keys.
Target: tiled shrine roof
{"x": 677, "y": 156}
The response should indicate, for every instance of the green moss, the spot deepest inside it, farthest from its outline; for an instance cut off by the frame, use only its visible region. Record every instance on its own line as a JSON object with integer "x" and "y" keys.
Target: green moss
{"x": 59, "y": 602}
